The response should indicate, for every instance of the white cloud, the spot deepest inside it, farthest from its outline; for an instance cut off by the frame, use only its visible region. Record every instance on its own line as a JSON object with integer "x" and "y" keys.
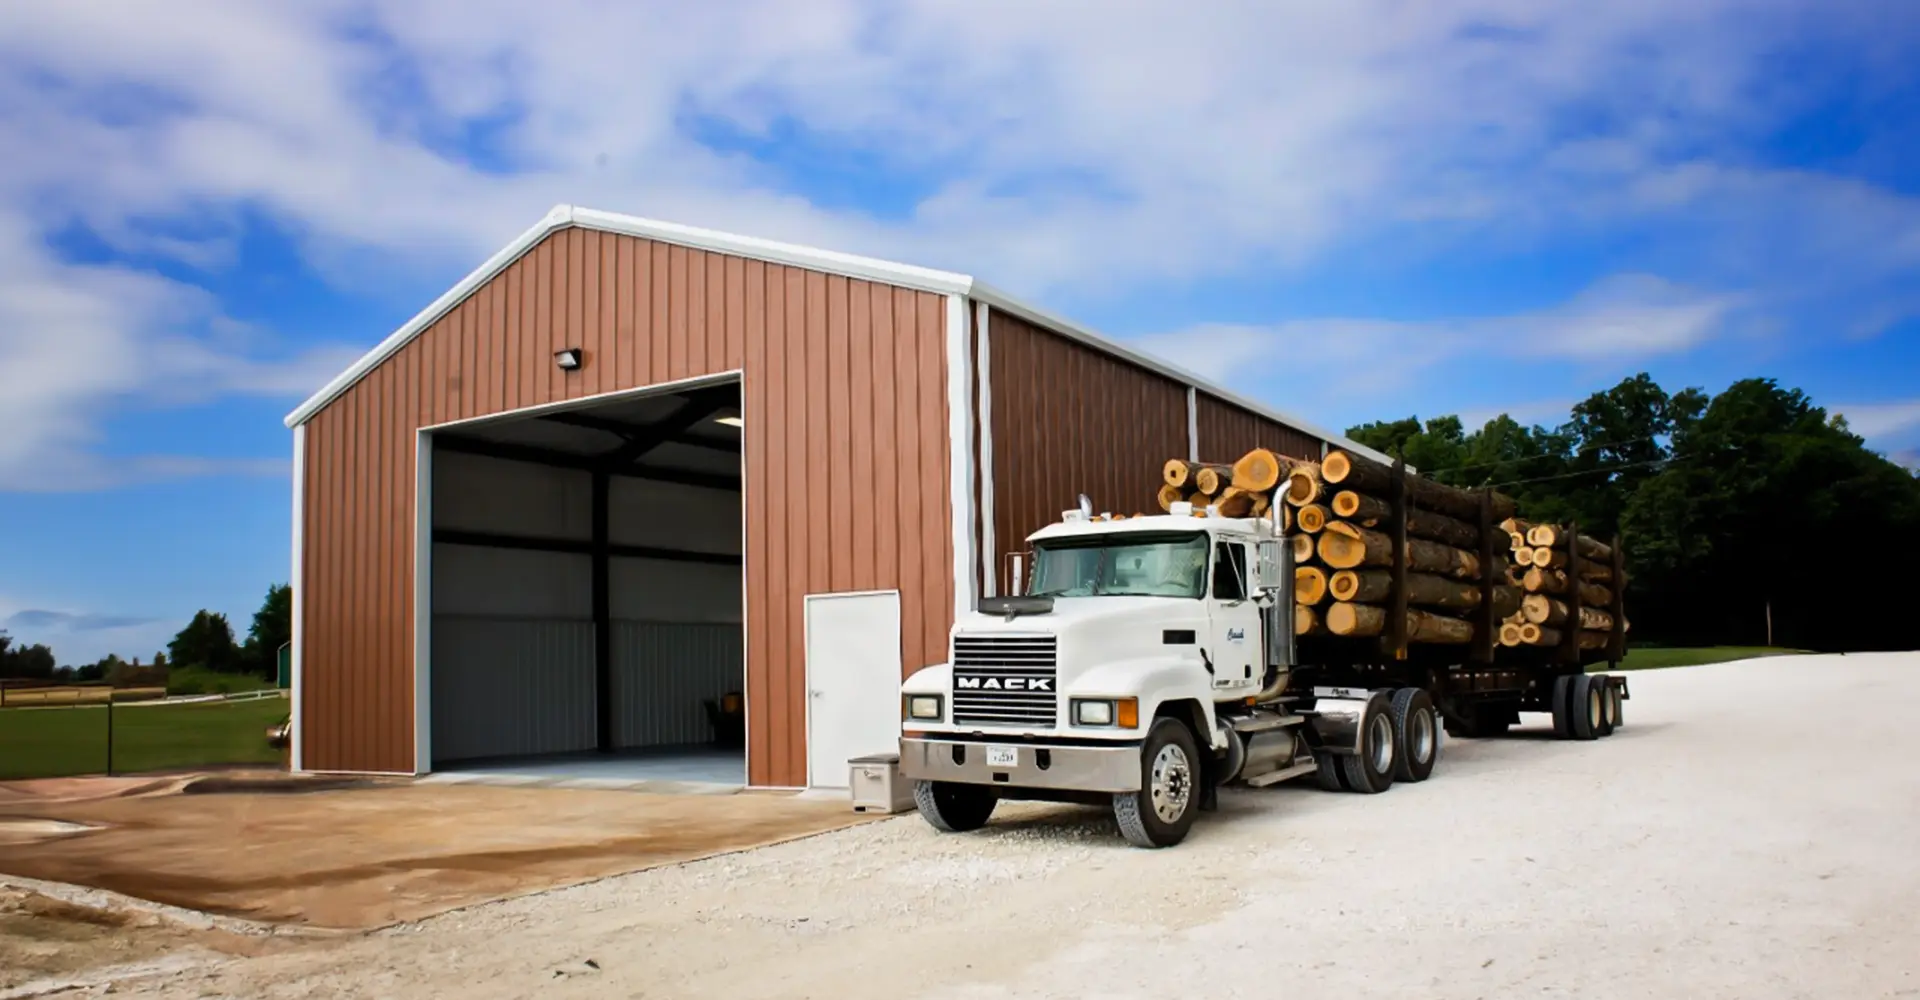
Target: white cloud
{"x": 1881, "y": 421}
{"x": 1620, "y": 319}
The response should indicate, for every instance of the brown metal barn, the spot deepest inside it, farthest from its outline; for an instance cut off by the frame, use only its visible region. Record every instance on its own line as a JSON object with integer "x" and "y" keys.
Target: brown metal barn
{"x": 605, "y": 486}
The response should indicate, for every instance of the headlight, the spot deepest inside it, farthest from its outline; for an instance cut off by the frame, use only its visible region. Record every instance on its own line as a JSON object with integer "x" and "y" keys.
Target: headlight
{"x": 1093, "y": 713}
{"x": 1122, "y": 712}
{"x": 923, "y": 706}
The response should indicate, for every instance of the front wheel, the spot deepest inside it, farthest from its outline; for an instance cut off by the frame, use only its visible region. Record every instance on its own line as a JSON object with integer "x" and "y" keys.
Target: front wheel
{"x": 1162, "y": 811}
{"x": 952, "y": 807}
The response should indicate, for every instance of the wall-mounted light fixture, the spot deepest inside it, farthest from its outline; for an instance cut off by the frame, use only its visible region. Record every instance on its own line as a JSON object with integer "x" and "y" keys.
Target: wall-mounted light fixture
{"x": 568, "y": 359}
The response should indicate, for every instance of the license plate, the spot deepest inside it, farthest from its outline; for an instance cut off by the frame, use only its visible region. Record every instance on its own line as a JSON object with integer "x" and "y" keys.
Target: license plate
{"x": 1003, "y": 756}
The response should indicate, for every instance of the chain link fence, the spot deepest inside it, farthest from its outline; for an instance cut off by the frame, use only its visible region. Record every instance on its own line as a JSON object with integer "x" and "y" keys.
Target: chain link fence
{"x": 71, "y": 730}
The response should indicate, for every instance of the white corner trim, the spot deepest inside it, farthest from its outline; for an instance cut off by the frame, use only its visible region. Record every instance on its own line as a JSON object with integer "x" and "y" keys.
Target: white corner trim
{"x": 983, "y": 377}
{"x": 960, "y": 453}
{"x": 1193, "y": 425}
{"x": 1068, "y": 328}
{"x": 296, "y": 580}
{"x": 422, "y": 602}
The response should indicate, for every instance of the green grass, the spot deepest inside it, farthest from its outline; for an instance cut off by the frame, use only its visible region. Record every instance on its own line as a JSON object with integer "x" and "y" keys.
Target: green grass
{"x": 1656, "y": 657}
{"x": 52, "y": 742}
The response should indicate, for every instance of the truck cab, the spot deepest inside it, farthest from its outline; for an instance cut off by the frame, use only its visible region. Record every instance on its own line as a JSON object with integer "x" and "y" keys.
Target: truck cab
{"x": 1143, "y": 662}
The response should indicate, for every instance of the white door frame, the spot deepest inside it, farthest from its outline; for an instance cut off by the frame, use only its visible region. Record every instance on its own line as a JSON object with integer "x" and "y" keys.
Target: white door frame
{"x": 806, "y": 644}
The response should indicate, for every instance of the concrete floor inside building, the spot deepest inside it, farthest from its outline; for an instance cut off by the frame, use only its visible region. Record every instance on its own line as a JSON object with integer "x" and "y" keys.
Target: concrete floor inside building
{"x": 697, "y": 765}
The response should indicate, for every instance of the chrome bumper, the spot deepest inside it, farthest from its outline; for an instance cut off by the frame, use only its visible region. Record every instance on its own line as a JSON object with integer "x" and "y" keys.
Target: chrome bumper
{"x": 1081, "y": 768}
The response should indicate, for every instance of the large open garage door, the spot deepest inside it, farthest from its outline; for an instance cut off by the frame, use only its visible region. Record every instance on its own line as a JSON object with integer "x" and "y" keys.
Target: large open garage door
{"x": 586, "y": 591}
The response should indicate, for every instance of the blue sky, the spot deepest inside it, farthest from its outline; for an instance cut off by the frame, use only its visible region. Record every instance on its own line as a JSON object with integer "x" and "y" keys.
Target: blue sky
{"x": 1354, "y": 211}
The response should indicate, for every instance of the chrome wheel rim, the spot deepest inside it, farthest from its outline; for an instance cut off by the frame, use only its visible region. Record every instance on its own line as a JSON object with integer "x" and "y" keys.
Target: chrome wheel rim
{"x": 1172, "y": 783}
{"x": 1382, "y": 744}
{"x": 1420, "y": 744}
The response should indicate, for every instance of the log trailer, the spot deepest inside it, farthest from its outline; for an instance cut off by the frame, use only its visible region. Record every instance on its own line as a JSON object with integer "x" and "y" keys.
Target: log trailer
{"x": 1145, "y": 662}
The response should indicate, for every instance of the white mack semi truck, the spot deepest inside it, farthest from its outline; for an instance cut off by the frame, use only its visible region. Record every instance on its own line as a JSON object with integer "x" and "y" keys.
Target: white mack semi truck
{"x": 1148, "y": 661}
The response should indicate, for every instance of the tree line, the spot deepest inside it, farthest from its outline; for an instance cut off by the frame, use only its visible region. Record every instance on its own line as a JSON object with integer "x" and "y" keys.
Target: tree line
{"x": 1745, "y": 513}
{"x": 207, "y": 643}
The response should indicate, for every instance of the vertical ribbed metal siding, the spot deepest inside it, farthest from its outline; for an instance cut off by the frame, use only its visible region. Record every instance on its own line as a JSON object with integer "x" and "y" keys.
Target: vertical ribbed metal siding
{"x": 1228, "y": 432}
{"x": 662, "y": 672}
{"x": 511, "y": 686}
{"x": 845, "y": 460}
{"x": 1069, "y": 420}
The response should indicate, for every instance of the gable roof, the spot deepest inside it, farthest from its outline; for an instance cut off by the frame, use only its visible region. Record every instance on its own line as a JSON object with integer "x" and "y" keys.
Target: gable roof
{"x": 827, "y": 261}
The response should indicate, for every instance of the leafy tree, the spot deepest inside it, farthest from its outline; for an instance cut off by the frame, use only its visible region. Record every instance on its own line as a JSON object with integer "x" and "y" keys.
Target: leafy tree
{"x": 18, "y": 662}
{"x": 207, "y": 642}
{"x": 272, "y": 627}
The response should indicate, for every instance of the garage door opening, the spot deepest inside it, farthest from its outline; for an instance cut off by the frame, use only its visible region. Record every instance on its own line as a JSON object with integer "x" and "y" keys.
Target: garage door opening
{"x": 586, "y": 591}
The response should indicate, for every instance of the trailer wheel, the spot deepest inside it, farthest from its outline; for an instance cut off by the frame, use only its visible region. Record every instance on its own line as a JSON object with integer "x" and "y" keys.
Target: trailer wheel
{"x": 1162, "y": 811}
{"x": 1416, "y": 730}
{"x": 1618, "y": 705}
{"x": 1604, "y": 685}
{"x": 1371, "y": 769}
{"x": 953, "y": 807}
{"x": 1563, "y": 706}
{"x": 1587, "y": 713}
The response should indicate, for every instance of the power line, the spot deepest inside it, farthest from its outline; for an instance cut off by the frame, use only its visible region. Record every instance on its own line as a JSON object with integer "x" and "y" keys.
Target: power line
{"x": 1589, "y": 472}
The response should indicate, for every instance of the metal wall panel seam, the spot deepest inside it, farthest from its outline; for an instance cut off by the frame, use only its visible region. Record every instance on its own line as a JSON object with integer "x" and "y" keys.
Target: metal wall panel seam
{"x": 299, "y": 586}
{"x": 422, "y": 602}
{"x": 1193, "y": 424}
{"x": 960, "y": 453}
{"x": 982, "y": 375}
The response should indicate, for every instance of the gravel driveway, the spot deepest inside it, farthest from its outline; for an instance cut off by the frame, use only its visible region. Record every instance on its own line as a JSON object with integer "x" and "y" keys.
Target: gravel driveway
{"x": 1753, "y": 832}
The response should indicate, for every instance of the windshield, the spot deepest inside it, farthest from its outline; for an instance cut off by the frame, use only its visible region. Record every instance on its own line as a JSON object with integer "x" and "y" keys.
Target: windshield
{"x": 1138, "y": 565}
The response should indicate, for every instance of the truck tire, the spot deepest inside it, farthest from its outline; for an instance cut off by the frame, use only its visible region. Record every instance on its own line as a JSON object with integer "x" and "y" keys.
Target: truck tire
{"x": 1584, "y": 708}
{"x": 1416, "y": 731}
{"x": 1619, "y": 705}
{"x": 1370, "y": 771}
{"x": 1604, "y": 685}
{"x": 1332, "y": 777}
{"x": 1563, "y": 706}
{"x": 953, "y": 807}
{"x": 1162, "y": 811}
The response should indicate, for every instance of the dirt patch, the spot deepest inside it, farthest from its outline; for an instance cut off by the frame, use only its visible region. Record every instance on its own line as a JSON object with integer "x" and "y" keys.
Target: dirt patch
{"x": 46, "y": 942}
{"x": 365, "y": 857}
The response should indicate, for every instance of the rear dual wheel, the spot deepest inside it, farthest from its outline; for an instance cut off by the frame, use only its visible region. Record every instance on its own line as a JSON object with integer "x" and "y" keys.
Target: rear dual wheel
{"x": 1581, "y": 706}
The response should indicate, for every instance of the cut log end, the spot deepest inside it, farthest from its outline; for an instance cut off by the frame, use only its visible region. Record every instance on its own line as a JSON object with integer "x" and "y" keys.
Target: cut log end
{"x": 1258, "y": 471}
{"x": 1208, "y": 480}
{"x": 1302, "y": 549}
{"x": 1355, "y": 619}
{"x": 1170, "y": 495}
{"x": 1336, "y": 467}
{"x": 1346, "y": 503}
{"x": 1176, "y": 473}
{"x": 1303, "y": 486}
{"x": 1309, "y": 584}
{"x": 1306, "y": 621}
{"x": 1510, "y": 634}
{"x": 1311, "y": 518}
{"x": 1344, "y": 585}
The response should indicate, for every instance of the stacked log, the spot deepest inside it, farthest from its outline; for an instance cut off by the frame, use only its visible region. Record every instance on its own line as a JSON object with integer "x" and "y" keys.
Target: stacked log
{"x": 1338, "y": 515}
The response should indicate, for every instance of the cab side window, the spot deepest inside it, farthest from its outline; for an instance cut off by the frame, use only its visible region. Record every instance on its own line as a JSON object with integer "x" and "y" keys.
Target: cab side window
{"x": 1229, "y": 572}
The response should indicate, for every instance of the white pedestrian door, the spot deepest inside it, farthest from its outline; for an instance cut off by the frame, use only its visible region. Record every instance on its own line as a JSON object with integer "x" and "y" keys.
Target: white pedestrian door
{"x": 853, "y": 681}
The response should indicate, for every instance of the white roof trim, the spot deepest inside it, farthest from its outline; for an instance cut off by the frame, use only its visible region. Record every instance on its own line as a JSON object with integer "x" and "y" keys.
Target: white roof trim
{"x": 832, "y": 262}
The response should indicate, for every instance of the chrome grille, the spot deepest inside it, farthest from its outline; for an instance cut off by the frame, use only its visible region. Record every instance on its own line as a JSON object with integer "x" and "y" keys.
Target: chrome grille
{"x": 1004, "y": 681}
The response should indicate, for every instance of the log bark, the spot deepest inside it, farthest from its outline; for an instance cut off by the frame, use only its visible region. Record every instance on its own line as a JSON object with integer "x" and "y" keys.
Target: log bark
{"x": 1212, "y": 479}
{"x": 1545, "y": 581}
{"x": 1302, "y": 549}
{"x": 1543, "y": 610}
{"x": 1375, "y": 586}
{"x": 1343, "y": 546}
{"x": 1514, "y": 525}
{"x": 1303, "y": 484}
{"x": 1594, "y": 595}
{"x": 1368, "y": 476}
{"x": 1311, "y": 518}
{"x": 1595, "y": 619}
{"x": 1306, "y": 621}
{"x": 1371, "y": 512}
{"x": 1177, "y": 473}
{"x": 1309, "y": 585}
{"x": 1261, "y": 504}
{"x": 1234, "y": 502}
{"x": 1540, "y": 635}
{"x": 1259, "y": 471}
{"x": 1555, "y": 536}
{"x": 1350, "y": 619}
